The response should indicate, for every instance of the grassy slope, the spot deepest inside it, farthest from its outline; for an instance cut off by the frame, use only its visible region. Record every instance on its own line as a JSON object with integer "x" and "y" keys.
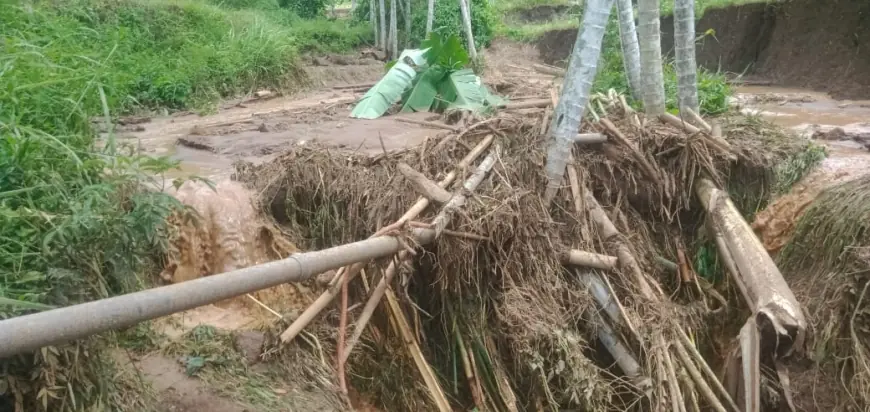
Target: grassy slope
{"x": 75, "y": 223}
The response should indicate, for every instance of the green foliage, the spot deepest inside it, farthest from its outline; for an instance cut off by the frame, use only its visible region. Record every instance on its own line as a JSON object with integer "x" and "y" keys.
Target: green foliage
{"x": 307, "y": 9}
{"x": 246, "y": 4}
{"x": 390, "y": 88}
{"x": 445, "y": 51}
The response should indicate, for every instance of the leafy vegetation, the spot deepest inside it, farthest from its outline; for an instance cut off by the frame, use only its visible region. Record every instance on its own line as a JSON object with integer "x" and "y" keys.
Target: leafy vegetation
{"x": 431, "y": 78}
{"x": 79, "y": 218}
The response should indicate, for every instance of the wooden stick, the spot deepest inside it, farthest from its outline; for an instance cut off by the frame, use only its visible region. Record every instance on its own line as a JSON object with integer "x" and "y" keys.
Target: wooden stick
{"x": 422, "y": 203}
{"x": 698, "y": 120}
{"x": 439, "y": 223}
{"x": 354, "y": 86}
{"x": 553, "y": 71}
{"x": 589, "y": 138}
{"x": 423, "y": 185}
{"x": 530, "y": 104}
{"x": 717, "y": 142}
{"x": 427, "y": 124}
{"x": 589, "y": 259}
{"x": 635, "y": 152}
{"x": 466, "y": 235}
{"x": 677, "y": 404}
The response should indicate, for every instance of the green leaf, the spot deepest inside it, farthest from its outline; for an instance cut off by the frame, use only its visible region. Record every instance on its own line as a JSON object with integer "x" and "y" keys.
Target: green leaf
{"x": 422, "y": 96}
{"x": 463, "y": 90}
{"x": 389, "y": 89}
{"x": 23, "y": 304}
{"x": 445, "y": 51}
{"x": 194, "y": 364}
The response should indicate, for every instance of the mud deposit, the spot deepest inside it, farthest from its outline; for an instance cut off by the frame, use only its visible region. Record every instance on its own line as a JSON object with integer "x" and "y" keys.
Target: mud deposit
{"x": 815, "y": 44}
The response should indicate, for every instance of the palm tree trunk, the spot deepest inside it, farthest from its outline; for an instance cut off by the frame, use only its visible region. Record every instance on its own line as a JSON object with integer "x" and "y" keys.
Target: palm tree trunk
{"x": 652, "y": 78}
{"x": 684, "y": 48}
{"x": 466, "y": 23}
{"x": 384, "y": 46}
{"x": 630, "y": 48}
{"x": 394, "y": 35}
{"x": 575, "y": 91}
{"x": 430, "y": 17}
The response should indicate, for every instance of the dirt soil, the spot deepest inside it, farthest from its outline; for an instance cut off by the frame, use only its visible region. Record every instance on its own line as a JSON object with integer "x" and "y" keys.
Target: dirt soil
{"x": 814, "y": 44}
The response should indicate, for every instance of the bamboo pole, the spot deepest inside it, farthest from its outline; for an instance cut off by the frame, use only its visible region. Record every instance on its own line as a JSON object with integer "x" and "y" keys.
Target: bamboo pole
{"x": 589, "y": 260}
{"x": 422, "y": 203}
{"x": 440, "y": 222}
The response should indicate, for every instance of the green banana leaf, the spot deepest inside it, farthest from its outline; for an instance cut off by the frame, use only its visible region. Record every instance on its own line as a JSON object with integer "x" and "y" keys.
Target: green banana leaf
{"x": 463, "y": 90}
{"x": 421, "y": 97}
{"x": 389, "y": 89}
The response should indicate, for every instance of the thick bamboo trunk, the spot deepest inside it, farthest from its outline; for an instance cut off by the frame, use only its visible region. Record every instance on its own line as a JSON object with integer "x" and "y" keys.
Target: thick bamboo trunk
{"x": 373, "y": 19}
{"x": 630, "y": 47}
{"x": 649, "y": 35}
{"x": 466, "y": 24}
{"x": 394, "y": 35}
{"x": 684, "y": 50}
{"x": 383, "y": 24}
{"x": 571, "y": 107}
{"x": 753, "y": 269}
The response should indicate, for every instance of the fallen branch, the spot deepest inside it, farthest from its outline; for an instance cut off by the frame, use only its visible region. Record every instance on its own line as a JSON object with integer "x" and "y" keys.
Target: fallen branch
{"x": 354, "y": 86}
{"x": 539, "y": 103}
{"x": 465, "y": 235}
{"x": 423, "y": 185}
{"x": 427, "y": 124}
{"x": 717, "y": 142}
{"x": 589, "y": 138}
{"x": 711, "y": 376}
{"x": 702, "y": 386}
{"x": 422, "y": 203}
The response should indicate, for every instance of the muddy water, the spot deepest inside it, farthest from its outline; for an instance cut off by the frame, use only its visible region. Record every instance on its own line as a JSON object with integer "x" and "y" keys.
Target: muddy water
{"x": 809, "y": 114}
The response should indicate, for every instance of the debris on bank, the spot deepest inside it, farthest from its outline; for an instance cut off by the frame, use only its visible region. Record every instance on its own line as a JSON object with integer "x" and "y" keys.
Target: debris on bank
{"x": 597, "y": 301}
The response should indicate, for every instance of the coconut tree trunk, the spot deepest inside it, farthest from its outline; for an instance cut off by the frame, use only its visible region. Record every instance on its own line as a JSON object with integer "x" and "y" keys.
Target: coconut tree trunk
{"x": 575, "y": 91}
{"x": 648, "y": 32}
{"x": 466, "y": 23}
{"x": 684, "y": 48}
{"x": 383, "y": 12}
{"x": 630, "y": 48}
{"x": 430, "y": 17}
{"x": 373, "y": 19}
{"x": 394, "y": 35}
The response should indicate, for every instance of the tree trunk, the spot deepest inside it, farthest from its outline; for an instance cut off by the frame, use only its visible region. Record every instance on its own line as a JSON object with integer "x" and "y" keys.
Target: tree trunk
{"x": 383, "y": 12}
{"x": 408, "y": 44}
{"x": 430, "y": 17}
{"x": 684, "y": 49}
{"x": 394, "y": 35}
{"x": 630, "y": 48}
{"x": 652, "y": 78}
{"x": 352, "y": 5}
{"x": 466, "y": 23}
{"x": 575, "y": 91}
{"x": 373, "y": 19}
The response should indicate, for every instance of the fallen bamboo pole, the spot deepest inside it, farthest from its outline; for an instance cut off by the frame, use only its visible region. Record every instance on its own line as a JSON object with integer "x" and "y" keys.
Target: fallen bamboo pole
{"x": 440, "y": 223}
{"x": 757, "y": 276}
{"x": 717, "y": 142}
{"x": 350, "y": 272}
{"x": 553, "y": 71}
{"x": 26, "y": 333}
{"x": 589, "y": 260}
{"x": 711, "y": 376}
{"x": 698, "y": 120}
{"x": 530, "y": 104}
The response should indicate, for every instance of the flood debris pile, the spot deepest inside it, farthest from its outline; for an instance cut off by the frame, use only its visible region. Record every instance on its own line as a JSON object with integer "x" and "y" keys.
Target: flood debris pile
{"x": 589, "y": 302}
{"x": 828, "y": 262}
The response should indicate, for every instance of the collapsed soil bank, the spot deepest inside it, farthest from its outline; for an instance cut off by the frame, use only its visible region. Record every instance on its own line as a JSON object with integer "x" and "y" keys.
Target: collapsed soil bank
{"x": 815, "y": 44}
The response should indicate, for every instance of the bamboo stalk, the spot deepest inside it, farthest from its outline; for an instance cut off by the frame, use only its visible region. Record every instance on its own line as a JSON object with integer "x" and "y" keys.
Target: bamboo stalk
{"x": 698, "y": 119}
{"x": 711, "y": 376}
{"x": 429, "y": 378}
{"x": 553, "y": 71}
{"x": 440, "y": 221}
{"x": 750, "y": 353}
{"x": 677, "y": 404}
{"x": 699, "y": 380}
{"x": 589, "y": 138}
{"x": 530, "y": 104}
{"x": 718, "y": 143}
{"x": 589, "y": 260}
{"x": 422, "y": 203}
{"x": 423, "y": 185}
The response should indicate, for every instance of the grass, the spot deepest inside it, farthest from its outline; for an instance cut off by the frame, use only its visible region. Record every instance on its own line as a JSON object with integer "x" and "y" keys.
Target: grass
{"x": 77, "y": 221}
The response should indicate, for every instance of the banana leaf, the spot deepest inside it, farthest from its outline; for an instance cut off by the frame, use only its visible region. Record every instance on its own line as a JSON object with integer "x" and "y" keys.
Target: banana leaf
{"x": 463, "y": 90}
{"x": 422, "y": 97}
{"x": 389, "y": 89}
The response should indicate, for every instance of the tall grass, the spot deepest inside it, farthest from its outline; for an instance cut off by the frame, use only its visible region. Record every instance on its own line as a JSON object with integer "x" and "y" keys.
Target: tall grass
{"x": 77, "y": 220}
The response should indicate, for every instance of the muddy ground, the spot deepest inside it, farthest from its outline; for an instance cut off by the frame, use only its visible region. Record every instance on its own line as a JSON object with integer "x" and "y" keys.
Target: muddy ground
{"x": 255, "y": 129}
{"x": 812, "y": 44}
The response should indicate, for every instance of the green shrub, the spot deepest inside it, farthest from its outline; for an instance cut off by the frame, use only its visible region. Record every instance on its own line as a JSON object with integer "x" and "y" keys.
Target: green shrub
{"x": 307, "y": 9}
